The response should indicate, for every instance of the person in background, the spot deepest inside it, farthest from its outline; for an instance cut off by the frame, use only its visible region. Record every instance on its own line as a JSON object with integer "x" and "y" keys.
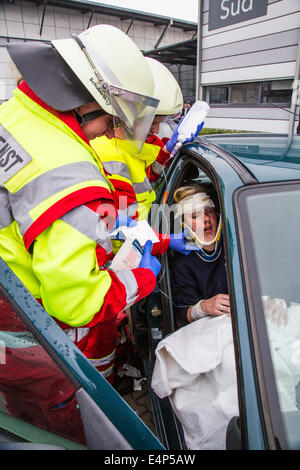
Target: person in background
{"x": 186, "y": 107}
{"x": 132, "y": 173}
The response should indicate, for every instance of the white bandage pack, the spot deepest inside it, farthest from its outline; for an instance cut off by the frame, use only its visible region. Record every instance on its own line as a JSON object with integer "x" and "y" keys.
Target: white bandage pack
{"x": 130, "y": 254}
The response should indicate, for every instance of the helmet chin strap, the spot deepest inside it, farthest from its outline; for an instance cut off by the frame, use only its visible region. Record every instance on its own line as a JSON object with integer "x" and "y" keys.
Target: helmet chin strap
{"x": 201, "y": 243}
{"x": 84, "y": 118}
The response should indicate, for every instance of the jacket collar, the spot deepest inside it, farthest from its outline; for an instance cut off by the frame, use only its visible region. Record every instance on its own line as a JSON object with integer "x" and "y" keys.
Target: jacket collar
{"x": 67, "y": 117}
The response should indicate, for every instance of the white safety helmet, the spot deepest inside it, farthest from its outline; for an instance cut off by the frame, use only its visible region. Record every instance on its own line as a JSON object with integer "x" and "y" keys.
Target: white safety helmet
{"x": 101, "y": 64}
{"x": 166, "y": 89}
{"x": 114, "y": 71}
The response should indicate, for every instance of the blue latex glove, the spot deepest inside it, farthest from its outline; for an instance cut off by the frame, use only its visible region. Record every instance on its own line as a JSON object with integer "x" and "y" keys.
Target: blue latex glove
{"x": 174, "y": 138}
{"x": 123, "y": 220}
{"x": 148, "y": 261}
{"x": 180, "y": 244}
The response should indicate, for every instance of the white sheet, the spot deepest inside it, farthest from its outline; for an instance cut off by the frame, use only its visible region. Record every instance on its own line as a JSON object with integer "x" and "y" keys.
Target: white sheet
{"x": 285, "y": 350}
{"x": 195, "y": 368}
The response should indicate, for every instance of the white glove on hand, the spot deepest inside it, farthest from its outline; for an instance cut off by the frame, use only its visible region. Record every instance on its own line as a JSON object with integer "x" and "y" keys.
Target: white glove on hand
{"x": 276, "y": 311}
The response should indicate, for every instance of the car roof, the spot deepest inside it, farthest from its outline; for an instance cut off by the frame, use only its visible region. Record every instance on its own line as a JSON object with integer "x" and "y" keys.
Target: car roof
{"x": 269, "y": 157}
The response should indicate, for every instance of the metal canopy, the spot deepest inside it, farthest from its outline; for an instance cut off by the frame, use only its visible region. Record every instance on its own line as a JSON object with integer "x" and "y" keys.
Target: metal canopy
{"x": 123, "y": 13}
{"x": 180, "y": 53}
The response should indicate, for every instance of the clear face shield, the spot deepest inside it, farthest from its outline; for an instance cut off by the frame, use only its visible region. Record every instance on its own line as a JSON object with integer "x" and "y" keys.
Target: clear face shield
{"x": 199, "y": 216}
{"x": 132, "y": 112}
{"x": 132, "y": 120}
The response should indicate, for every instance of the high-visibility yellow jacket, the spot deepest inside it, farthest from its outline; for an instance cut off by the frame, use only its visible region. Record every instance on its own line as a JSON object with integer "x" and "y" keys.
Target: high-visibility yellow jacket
{"x": 131, "y": 176}
{"x": 51, "y": 231}
{"x": 127, "y": 172}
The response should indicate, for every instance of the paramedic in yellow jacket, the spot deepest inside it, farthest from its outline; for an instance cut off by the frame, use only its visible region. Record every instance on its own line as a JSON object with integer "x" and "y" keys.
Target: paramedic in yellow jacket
{"x": 57, "y": 206}
{"x": 132, "y": 173}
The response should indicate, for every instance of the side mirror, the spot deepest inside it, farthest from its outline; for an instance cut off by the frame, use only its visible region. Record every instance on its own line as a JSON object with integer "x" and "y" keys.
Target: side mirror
{"x": 233, "y": 434}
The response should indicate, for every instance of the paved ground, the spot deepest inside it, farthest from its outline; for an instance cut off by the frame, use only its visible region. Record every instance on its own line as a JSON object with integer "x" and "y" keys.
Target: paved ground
{"x": 140, "y": 403}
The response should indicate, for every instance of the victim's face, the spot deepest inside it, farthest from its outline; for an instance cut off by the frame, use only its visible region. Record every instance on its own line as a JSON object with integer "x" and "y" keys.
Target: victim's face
{"x": 203, "y": 222}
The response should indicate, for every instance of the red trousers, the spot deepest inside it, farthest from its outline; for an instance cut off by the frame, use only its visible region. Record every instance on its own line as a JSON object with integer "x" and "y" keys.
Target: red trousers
{"x": 101, "y": 348}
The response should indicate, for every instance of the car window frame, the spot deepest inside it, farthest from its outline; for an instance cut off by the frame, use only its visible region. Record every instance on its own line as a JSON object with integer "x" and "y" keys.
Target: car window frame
{"x": 274, "y": 429}
{"x": 184, "y": 157}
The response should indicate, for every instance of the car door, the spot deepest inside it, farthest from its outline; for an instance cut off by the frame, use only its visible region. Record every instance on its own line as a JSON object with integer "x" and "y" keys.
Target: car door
{"x": 261, "y": 238}
{"x": 186, "y": 168}
{"x": 202, "y": 164}
{"x": 50, "y": 395}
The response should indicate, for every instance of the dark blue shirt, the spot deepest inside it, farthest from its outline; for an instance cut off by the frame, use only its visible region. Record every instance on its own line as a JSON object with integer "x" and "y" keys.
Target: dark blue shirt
{"x": 194, "y": 279}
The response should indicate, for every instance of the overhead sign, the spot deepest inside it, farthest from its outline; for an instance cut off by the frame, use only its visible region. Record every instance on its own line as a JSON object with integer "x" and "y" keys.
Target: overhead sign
{"x": 226, "y": 12}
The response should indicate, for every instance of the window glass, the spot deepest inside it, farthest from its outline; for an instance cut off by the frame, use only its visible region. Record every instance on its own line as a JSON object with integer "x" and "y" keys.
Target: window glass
{"x": 186, "y": 77}
{"x": 217, "y": 94}
{"x": 277, "y": 91}
{"x": 245, "y": 93}
{"x": 273, "y": 217}
{"x": 32, "y": 387}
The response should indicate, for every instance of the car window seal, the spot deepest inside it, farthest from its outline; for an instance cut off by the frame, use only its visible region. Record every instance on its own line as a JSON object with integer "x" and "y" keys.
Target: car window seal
{"x": 245, "y": 175}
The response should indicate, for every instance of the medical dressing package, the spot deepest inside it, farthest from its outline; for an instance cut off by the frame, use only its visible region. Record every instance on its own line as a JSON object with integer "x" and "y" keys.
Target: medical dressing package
{"x": 130, "y": 254}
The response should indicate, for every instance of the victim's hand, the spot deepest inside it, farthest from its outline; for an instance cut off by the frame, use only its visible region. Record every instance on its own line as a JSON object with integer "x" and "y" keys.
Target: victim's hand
{"x": 217, "y": 305}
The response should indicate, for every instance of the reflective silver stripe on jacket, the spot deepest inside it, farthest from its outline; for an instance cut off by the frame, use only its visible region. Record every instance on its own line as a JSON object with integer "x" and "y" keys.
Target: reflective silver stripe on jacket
{"x": 121, "y": 169}
{"x": 107, "y": 371}
{"x": 157, "y": 167}
{"x": 76, "y": 334}
{"x": 88, "y": 222}
{"x": 47, "y": 185}
{"x": 6, "y": 217}
{"x": 103, "y": 360}
{"x": 127, "y": 278}
{"x": 142, "y": 187}
{"x": 115, "y": 167}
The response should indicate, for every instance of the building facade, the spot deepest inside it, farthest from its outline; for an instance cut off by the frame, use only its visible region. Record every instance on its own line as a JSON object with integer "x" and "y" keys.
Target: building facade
{"x": 249, "y": 66}
{"x": 246, "y": 65}
{"x": 23, "y": 20}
